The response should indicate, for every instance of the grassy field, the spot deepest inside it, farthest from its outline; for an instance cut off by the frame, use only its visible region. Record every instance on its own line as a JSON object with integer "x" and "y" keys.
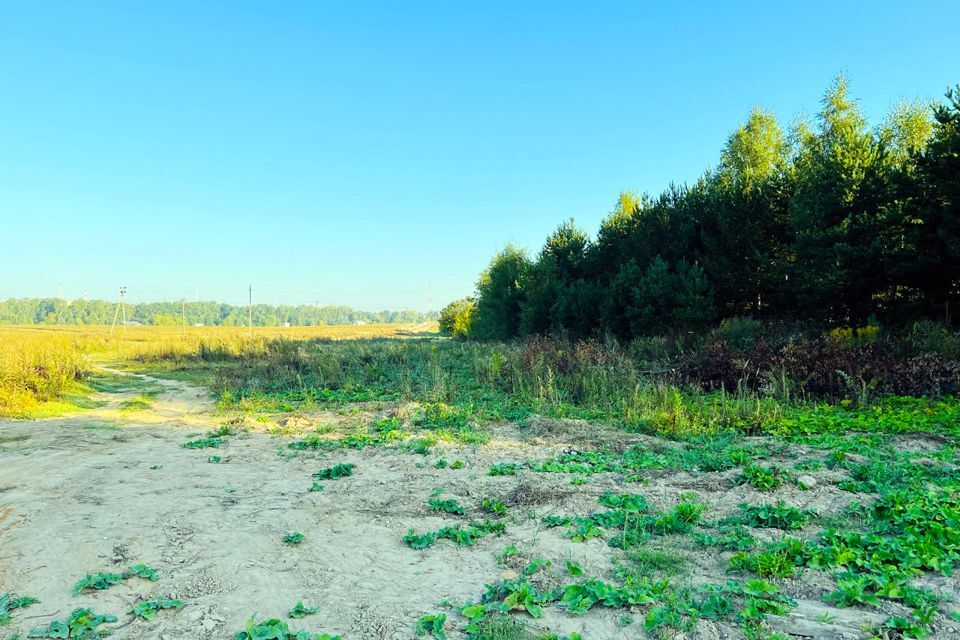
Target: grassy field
{"x": 43, "y": 368}
{"x": 528, "y": 490}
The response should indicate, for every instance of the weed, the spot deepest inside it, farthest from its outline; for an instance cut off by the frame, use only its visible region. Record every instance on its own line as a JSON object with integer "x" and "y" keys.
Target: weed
{"x": 276, "y": 629}
{"x": 648, "y": 562}
{"x": 148, "y": 609}
{"x": 503, "y": 469}
{"x": 9, "y": 602}
{"x": 101, "y": 581}
{"x": 496, "y": 507}
{"x": 450, "y": 505}
{"x": 732, "y": 537}
{"x": 334, "y": 472}
{"x": 762, "y": 478}
{"x": 464, "y": 536}
{"x": 294, "y": 538}
{"x": 766, "y": 564}
{"x": 778, "y": 516}
{"x": 301, "y": 610}
{"x": 82, "y": 623}
{"x": 432, "y": 625}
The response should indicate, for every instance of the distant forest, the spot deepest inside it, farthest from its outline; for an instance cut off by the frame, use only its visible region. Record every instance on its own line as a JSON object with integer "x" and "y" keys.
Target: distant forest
{"x": 59, "y": 311}
{"x": 831, "y": 222}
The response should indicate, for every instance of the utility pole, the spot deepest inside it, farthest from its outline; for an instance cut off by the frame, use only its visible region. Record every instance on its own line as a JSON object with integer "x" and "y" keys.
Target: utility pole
{"x": 250, "y": 309}
{"x": 120, "y": 305}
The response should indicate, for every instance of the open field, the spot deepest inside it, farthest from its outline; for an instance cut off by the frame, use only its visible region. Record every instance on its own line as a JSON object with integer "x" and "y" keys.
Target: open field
{"x": 430, "y": 478}
{"x": 42, "y": 367}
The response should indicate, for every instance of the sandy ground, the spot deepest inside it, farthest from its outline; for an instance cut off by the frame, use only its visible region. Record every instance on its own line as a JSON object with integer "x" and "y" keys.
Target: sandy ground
{"x": 111, "y": 488}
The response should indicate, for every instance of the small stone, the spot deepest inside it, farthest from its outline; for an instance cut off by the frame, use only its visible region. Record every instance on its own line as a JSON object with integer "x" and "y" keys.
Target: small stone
{"x": 806, "y": 482}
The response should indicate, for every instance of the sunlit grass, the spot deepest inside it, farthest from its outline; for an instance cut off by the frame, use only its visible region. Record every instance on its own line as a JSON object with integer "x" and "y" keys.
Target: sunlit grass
{"x": 45, "y": 370}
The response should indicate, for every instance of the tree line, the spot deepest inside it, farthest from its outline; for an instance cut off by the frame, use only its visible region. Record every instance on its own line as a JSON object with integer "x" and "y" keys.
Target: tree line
{"x": 59, "y": 311}
{"x": 831, "y": 223}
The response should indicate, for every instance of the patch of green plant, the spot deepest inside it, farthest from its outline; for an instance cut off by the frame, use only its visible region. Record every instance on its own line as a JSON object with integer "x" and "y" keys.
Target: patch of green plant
{"x": 464, "y": 536}
{"x": 496, "y": 507}
{"x": 762, "y": 478}
{"x": 141, "y": 402}
{"x": 334, "y": 472}
{"x": 207, "y": 442}
{"x": 732, "y": 537}
{"x": 776, "y": 516}
{"x": 503, "y": 469}
{"x": 293, "y": 538}
{"x": 10, "y": 602}
{"x": 889, "y": 415}
{"x": 457, "y": 464}
{"x": 810, "y": 464}
{"x": 276, "y": 629}
{"x": 148, "y": 609}
{"x": 432, "y": 625}
{"x": 647, "y": 562}
{"x": 766, "y": 564}
{"x": 315, "y": 486}
{"x": 581, "y": 597}
{"x": 419, "y": 446}
{"x": 891, "y": 472}
{"x": 515, "y": 595}
{"x": 82, "y": 623}
{"x": 301, "y": 610}
{"x": 449, "y": 505}
{"x": 102, "y": 580}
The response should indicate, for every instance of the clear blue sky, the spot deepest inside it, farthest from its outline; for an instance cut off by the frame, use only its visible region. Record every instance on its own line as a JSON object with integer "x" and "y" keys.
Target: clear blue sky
{"x": 357, "y": 152}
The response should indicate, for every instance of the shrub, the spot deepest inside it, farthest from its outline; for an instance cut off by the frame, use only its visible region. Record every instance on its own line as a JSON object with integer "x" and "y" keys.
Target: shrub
{"x": 455, "y": 318}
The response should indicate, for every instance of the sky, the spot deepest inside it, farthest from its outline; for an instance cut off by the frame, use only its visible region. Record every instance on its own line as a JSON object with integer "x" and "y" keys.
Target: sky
{"x": 378, "y": 154}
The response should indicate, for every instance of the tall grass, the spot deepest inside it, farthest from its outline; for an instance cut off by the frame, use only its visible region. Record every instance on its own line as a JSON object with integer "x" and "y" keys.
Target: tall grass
{"x": 38, "y": 368}
{"x": 39, "y": 365}
{"x": 493, "y": 381}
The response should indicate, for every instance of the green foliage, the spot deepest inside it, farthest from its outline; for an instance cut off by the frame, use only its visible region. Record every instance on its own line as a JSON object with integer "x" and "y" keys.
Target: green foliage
{"x": 148, "y": 609}
{"x": 101, "y": 581}
{"x": 207, "y": 313}
{"x": 732, "y": 537}
{"x": 777, "y": 516}
{"x": 494, "y": 506}
{"x": 432, "y": 625}
{"x": 835, "y": 222}
{"x": 766, "y": 564}
{"x": 457, "y": 317}
{"x": 503, "y": 469}
{"x": 497, "y": 314}
{"x": 10, "y": 602}
{"x": 301, "y": 610}
{"x": 276, "y": 629}
{"x": 334, "y": 472}
{"x": 763, "y": 478}
{"x": 463, "y": 536}
{"x": 294, "y": 538}
{"x": 82, "y": 623}
{"x": 450, "y": 505}
{"x": 208, "y": 442}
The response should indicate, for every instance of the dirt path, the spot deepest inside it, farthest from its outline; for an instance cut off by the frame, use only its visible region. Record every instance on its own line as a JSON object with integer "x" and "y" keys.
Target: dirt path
{"x": 110, "y": 488}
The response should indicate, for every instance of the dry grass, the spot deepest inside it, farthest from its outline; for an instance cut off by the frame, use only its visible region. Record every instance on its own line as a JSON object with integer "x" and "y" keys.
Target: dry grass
{"x": 42, "y": 364}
